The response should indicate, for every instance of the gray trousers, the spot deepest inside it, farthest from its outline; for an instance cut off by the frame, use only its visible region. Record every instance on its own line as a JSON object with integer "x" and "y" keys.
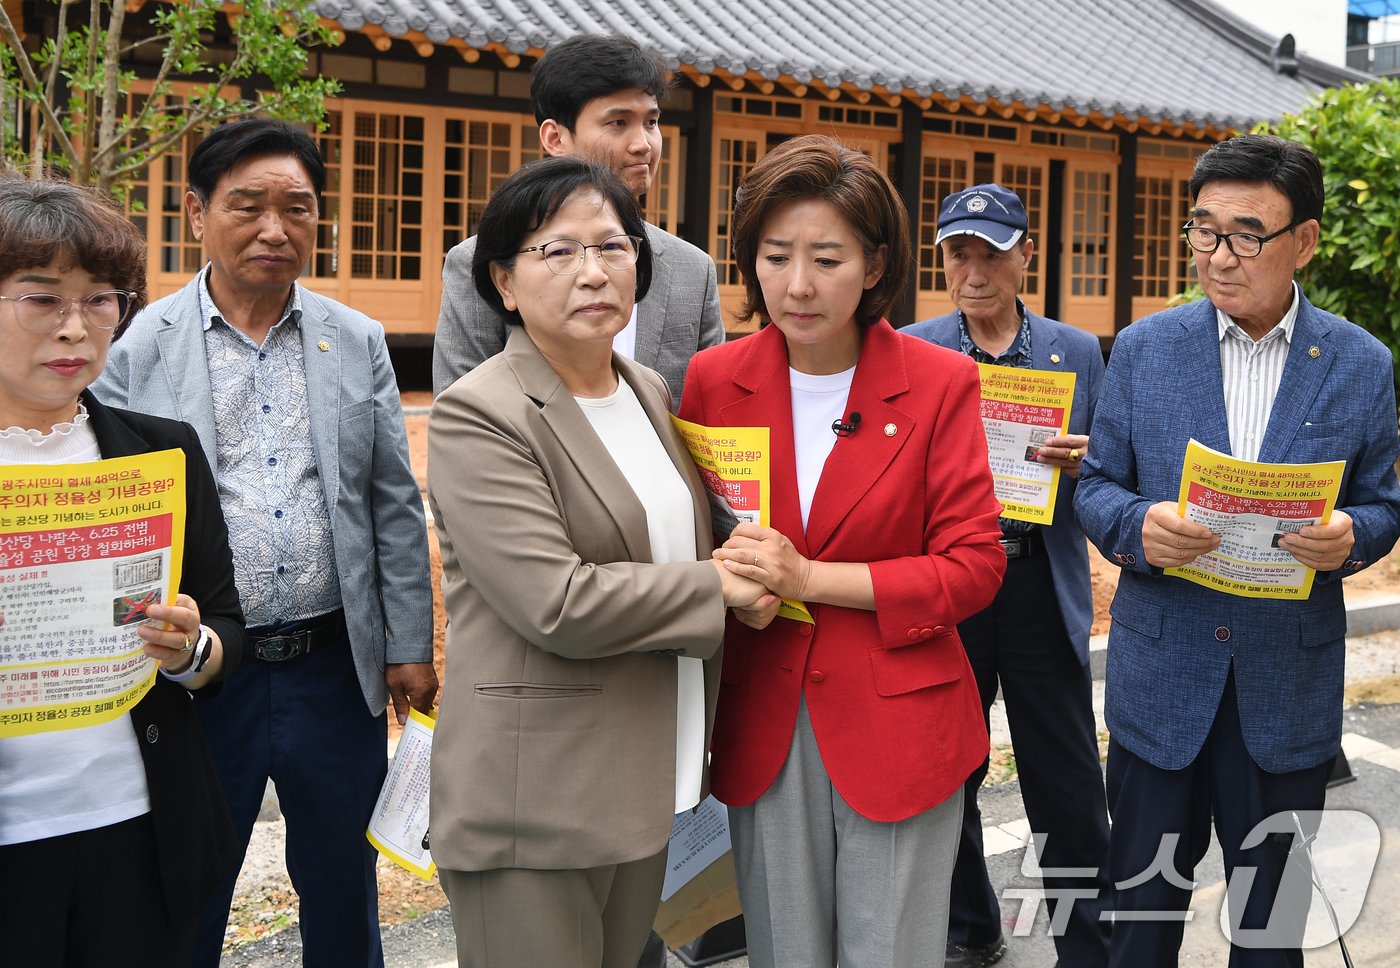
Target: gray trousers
{"x": 820, "y": 884}
{"x": 597, "y": 917}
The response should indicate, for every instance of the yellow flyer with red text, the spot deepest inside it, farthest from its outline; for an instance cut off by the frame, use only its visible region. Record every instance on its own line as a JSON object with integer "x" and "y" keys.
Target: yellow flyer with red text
{"x": 1021, "y": 409}
{"x": 84, "y": 548}
{"x": 1251, "y": 506}
{"x": 733, "y": 463}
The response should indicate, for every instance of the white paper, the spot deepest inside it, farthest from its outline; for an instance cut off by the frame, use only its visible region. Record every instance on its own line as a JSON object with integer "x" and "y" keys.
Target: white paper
{"x": 698, "y": 839}
{"x": 399, "y": 825}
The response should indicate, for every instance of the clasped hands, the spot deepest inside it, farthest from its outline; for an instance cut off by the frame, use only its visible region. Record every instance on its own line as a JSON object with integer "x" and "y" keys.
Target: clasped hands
{"x": 1169, "y": 540}
{"x": 760, "y": 564}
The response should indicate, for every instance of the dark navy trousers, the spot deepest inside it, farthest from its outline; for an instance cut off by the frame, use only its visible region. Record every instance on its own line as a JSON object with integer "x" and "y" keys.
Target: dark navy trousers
{"x": 1152, "y": 807}
{"x": 304, "y": 724}
{"x": 1019, "y": 642}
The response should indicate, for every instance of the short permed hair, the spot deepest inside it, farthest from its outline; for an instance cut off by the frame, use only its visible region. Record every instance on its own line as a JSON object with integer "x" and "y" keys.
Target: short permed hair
{"x": 818, "y": 167}
{"x": 529, "y": 198}
{"x": 589, "y": 66}
{"x": 229, "y": 144}
{"x": 1286, "y": 165}
{"x": 52, "y": 222}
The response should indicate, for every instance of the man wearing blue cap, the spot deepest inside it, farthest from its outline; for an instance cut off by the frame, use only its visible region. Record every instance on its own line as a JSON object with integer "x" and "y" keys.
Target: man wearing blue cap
{"x": 1034, "y": 637}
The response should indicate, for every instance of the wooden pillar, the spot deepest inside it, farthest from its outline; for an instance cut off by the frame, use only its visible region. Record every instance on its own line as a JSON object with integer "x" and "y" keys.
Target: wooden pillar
{"x": 910, "y": 173}
{"x": 699, "y": 172}
{"x": 1124, "y": 278}
{"x": 1051, "y": 242}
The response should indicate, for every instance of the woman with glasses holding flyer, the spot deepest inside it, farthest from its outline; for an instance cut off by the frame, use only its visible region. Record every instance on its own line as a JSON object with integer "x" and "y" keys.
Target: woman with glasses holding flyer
{"x": 584, "y": 612}
{"x": 841, "y": 746}
{"x": 111, "y": 832}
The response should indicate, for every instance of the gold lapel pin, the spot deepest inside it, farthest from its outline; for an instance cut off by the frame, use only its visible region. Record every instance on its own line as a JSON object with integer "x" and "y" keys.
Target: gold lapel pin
{"x": 323, "y": 346}
{"x": 1314, "y": 352}
{"x": 891, "y": 430}
{"x": 1054, "y": 357}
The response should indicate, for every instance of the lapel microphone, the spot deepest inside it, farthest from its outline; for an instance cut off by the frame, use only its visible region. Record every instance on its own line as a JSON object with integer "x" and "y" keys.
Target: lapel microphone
{"x": 846, "y": 429}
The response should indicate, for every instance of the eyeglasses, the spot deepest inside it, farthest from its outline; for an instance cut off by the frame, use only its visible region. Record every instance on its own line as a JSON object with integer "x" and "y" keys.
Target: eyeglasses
{"x": 565, "y": 256}
{"x": 44, "y": 312}
{"x": 1245, "y": 245}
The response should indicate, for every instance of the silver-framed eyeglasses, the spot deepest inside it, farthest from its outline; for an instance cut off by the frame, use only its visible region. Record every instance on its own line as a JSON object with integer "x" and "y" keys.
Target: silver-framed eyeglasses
{"x": 565, "y": 256}
{"x": 44, "y": 312}
{"x": 1245, "y": 245}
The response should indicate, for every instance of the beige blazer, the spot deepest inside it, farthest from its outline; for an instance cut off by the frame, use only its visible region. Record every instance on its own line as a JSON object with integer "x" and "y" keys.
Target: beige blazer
{"x": 555, "y": 745}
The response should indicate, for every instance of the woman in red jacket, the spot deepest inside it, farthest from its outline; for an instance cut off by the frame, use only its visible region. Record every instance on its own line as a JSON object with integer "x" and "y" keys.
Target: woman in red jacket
{"x": 841, "y": 746}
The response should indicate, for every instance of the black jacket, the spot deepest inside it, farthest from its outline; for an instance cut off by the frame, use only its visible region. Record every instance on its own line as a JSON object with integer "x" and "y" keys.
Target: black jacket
{"x": 196, "y": 847}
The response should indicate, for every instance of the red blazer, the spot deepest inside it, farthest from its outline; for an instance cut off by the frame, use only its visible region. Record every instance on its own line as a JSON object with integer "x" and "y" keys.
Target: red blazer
{"x": 890, "y": 693}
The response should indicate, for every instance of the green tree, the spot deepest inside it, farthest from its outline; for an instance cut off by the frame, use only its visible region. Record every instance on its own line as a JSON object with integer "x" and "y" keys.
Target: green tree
{"x": 1355, "y": 133}
{"x": 77, "y": 81}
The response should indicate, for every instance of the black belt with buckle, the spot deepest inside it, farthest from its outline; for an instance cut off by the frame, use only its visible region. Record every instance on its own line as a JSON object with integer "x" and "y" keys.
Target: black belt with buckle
{"x": 1020, "y": 545}
{"x": 280, "y": 643}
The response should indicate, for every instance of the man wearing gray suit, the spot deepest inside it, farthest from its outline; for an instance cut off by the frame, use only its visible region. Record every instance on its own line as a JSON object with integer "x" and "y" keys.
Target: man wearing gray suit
{"x": 597, "y": 96}
{"x": 295, "y": 402}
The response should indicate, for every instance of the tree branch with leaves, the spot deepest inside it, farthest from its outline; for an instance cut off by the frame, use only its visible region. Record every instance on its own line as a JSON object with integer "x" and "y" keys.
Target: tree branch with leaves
{"x": 100, "y": 134}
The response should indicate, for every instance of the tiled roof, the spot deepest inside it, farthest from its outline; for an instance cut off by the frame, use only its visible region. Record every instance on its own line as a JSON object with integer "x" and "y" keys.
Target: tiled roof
{"x": 1182, "y": 62}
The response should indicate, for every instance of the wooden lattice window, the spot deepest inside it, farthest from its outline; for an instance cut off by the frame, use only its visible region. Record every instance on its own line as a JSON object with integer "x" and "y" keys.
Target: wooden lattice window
{"x": 179, "y": 250}
{"x": 940, "y": 178}
{"x": 1028, "y": 181}
{"x": 325, "y": 259}
{"x": 1090, "y": 232}
{"x": 736, "y": 157}
{"x": 479, "y": 151}
{"x": 386, "y": 228}
{"x": 662, "y": 203}
{"x": 1161, "y": 263}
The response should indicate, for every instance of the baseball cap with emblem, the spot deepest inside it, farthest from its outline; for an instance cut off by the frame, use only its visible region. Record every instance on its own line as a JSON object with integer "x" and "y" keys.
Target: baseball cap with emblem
{"x": 989, "y": 212}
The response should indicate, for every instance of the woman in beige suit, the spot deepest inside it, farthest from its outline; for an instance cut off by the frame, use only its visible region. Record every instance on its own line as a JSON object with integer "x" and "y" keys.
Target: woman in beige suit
{"x": 585, "y": 618}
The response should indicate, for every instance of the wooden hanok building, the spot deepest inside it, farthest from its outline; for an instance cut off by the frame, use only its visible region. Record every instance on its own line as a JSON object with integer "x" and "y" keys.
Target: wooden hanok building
{"x": 1094, "y": 110}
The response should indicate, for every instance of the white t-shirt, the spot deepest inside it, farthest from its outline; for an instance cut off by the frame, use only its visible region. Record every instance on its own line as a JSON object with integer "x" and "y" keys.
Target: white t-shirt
{"x": 75, "y": 779}
{"x": 818, "y": 400}
{"x": 631, "y": 441}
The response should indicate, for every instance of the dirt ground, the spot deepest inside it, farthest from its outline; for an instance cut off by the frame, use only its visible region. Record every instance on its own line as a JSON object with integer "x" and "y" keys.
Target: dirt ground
{"x": 403, "y": 896}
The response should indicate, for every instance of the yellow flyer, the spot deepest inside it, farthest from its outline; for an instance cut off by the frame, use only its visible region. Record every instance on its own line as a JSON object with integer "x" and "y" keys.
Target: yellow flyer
{"x": 398, "y": 828}
{"x": 1251, "y": 506}
{"x": 1021, "y": 409}
{"x": 733, "y": 463}
{"x": 84, "y": 548}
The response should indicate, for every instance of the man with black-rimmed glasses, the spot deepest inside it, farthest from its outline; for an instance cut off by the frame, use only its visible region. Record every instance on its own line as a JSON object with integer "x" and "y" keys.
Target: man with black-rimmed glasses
{"x": 1226, "y": 709}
